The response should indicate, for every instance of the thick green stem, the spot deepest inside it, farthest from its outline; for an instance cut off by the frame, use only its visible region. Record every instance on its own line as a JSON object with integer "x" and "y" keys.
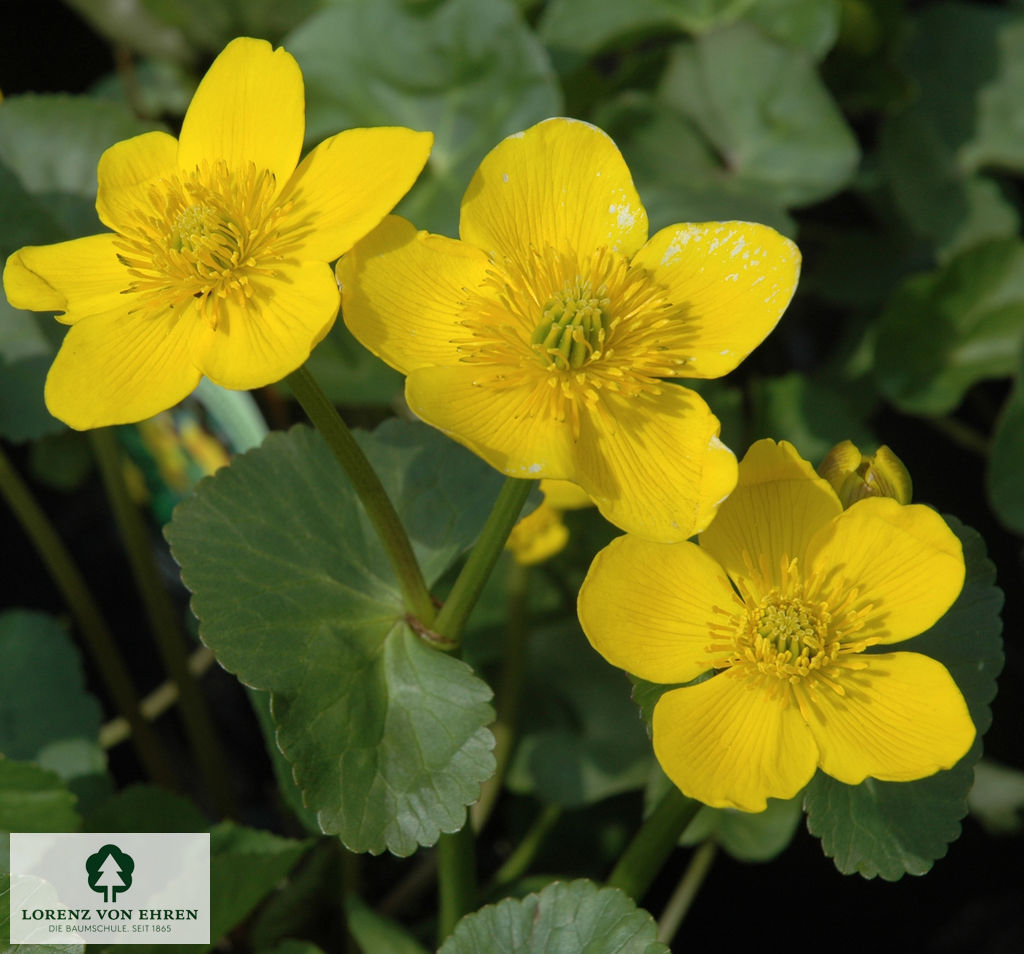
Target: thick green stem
{"x": 104, "y": 652}
{"x": 163, "y": 621}
{"x": 370, "y": 491}
{"x": 696, "y": 871}
{"x": 509, "y": 692}
{"x": 457, "y": 852}
{"x": 451, "y": 619}
{"x": 456, "y": 858}
{"x": 653, "y": 843}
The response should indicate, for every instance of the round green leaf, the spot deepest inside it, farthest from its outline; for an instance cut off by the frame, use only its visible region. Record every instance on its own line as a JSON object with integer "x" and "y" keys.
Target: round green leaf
{"x": 943, "y": 331}
{"x": 575, "y": 917}
{"x": 46, "y": 714}
{"x": 747, "y": 836}
{"x": 387, "y": 736}
{"x": 765, "y": 111}
{"x": 469, "y": 70}
{"x": 890, "y": 829}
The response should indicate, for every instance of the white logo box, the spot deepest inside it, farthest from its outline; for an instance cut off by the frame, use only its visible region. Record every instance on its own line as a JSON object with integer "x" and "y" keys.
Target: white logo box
{"x": 110, "y": 888}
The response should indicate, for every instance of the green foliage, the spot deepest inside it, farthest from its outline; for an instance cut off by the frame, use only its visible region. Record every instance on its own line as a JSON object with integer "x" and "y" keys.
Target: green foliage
{"x": 745, "y": 836}
{"x": 85, "y": 127}
{"x": 581, "y": 740}
{"x": 35, "y": 799}
{"x": 935, "y": 150}
{"x": 945, "y": 330}
{"x": 377, "y": 934}
{"x": 145, "y": 808}
{"x": 563, "y": 918}
{"x": 468, "y": 70}
{"x": 46, "y": 714}
{"x": 386, "y": 736}
{"x": 245, "y": 865}
{"x": 5, "y": 922}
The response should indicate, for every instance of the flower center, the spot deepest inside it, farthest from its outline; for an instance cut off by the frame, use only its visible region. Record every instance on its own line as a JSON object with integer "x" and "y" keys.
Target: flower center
{"x": 786, "y": 636}
{"x": 572, "y": 325}
{"x": 202, "y": 238}
{"x": 574, "y": 330}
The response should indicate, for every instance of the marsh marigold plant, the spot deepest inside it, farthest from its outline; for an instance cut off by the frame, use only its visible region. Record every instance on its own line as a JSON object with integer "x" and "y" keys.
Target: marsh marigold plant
{"x": 779, "y": 602}
{"x": 549, "y": 339}
{"x": 217, "y": 262}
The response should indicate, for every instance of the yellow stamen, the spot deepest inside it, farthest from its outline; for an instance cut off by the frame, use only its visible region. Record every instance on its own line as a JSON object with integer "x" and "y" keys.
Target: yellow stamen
{"x": 572, "y": 329}
{"x": 204, "y": 238}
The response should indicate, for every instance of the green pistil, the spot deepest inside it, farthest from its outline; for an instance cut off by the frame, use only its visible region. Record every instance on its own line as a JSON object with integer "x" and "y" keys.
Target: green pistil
{"x": 790, "y": 629}
{"x": 572, "y": 326}
{"x": 190, "y": 225}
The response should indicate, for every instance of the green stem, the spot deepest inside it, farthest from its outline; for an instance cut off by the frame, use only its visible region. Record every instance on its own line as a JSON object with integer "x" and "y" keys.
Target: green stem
{"x": 456, "y": 858}
{"x": 371, "y": 492}
{"x": 653, "y": 843}
{"x": 519, "y": 861}
{"x": 98, "y": 639}
{"x": 509, "y": 691}
{"x": 163, "y": 621}
{"x": 696, "y": 871}
{"x": 451, "y": 619}
{"x": 962, "y": 435}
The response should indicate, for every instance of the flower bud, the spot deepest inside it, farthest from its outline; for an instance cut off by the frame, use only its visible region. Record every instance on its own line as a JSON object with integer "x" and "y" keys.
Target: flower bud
{"x": 854, "y": 475}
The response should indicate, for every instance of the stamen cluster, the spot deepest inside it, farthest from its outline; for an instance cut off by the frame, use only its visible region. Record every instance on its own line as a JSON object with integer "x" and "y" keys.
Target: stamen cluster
{"x": 204, "y": 236}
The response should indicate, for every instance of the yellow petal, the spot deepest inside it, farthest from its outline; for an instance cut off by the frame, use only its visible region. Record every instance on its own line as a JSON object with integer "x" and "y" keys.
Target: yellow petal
{"x": 121, "y": 366}
{"x": 249, "y": 108}
{"x": 403, "y": 293}
{"x": 841, "y": 461}
{"x": 902, "y": 560}
{"x": 508, "y": 427}
{"x": 126, "y": 171}
{"x": 564, "y": 495}
{"x": 287, "y": 316}
{"x": 82, "y": 277}
{"x": 538, "y": 536}
{"x": 731, "y": 743}
{"x": 899, "y": 719}
{"x": 735, "y": 280}
{"x": 348, "y": 183}
{"x": 653, "y": 464}
{"x": 561, "y": 183}
{"x": 778, "y": 505}
{"x": 654, "y": 608}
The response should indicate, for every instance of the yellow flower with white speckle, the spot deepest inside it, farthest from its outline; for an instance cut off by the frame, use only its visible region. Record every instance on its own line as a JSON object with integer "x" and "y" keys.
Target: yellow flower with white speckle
{"x": 549, "y": 338}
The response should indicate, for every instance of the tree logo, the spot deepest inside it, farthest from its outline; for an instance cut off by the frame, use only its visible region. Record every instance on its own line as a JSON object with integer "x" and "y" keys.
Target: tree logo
{"x": 110, "y": 871}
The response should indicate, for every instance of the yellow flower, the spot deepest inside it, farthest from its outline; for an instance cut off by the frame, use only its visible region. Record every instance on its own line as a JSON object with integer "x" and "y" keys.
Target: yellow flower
{"x": 217, "y": 264}
{"x": 542, "y": 338}
{"x": 854, "y": 475}
{"x": 781, "y": 598}
{"x": 542, "y": 533}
